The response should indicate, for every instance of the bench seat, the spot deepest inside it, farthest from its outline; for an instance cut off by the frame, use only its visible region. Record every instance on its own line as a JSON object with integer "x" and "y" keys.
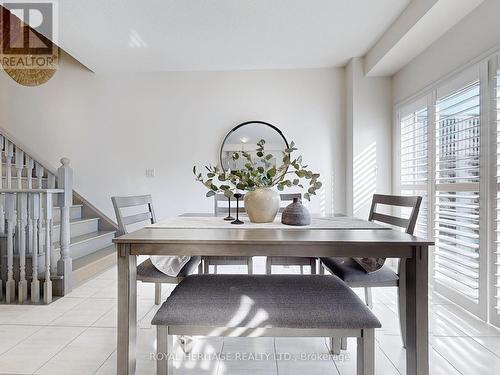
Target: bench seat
{"x": 257, "y": 301}
{"x": 265, "y": 305}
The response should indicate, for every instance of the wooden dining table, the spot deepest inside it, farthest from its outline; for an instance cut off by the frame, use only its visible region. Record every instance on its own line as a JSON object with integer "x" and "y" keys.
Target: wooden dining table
{"x": 335, "y": 236}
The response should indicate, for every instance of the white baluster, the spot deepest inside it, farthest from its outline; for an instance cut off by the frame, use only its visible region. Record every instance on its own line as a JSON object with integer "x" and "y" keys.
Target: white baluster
{"x": 19, "y": 167}
{"x": 35, "y": 217}
{"x": 8, "y": 163}
{"x": 65, "y": 263}
{"x": 47, "y": 285}
{"x": 39, "y": 170}
{"x": 30, "y": 164}
{"x": 39, "y": 175}
{"x": 10, "y": 285}
{"x": 2, "y": 213}
{"x": 51, "y": 180}
{"x": 29, "y": 171}
{"x": 22, "y": 221}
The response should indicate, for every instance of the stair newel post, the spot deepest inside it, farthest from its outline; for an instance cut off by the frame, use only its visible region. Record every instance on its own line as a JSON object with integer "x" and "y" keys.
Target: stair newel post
{"x": 19, "y": 167}
{"x": 22, "y": 221}
{"x": 65, "y": 263}
{"x": 35, "y": 217}
{"x": 47, "y": 285}
{"x": 10, "y": 285}
{"x": 9, "y": 154}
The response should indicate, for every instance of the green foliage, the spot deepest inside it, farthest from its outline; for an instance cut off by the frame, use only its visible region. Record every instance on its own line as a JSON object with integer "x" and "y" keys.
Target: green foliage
{"x": 261, "y": 172}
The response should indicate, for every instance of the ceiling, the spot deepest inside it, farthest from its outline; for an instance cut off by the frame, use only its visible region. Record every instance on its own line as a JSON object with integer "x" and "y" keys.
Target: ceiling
{"x": 187, "y": 35}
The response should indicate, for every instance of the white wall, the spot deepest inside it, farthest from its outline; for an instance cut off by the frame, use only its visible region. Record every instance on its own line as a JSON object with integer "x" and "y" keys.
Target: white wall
{"x": 368, "y": 138}
{"x": 475, "y": 35}
{"x": 113, "y": 127}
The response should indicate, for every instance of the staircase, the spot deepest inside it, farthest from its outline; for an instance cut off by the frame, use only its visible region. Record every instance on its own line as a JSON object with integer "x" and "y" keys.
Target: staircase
{"x": 45, "y": 225}
{"x": 91, "y": 247}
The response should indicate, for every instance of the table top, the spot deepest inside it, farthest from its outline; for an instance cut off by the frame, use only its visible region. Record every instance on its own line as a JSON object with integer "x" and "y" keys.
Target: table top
{"x": 217, "y": 222}
{"x": 246, "y": 235}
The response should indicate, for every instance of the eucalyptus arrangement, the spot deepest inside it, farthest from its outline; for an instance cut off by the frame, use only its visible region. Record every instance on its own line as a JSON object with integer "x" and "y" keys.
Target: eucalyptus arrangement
{"x": 260, "y": 172}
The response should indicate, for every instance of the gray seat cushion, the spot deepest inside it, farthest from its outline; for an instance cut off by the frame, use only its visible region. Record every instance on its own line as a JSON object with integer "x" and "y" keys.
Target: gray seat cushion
{"x": 253, "y": 301}
{"x": 354, "y": 275}
{"x": 146, "y": 270}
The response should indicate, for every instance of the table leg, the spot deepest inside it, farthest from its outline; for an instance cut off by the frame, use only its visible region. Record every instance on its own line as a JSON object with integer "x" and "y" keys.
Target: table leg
{"x": 127, "y": 311}
{"x": 417, "y": 319}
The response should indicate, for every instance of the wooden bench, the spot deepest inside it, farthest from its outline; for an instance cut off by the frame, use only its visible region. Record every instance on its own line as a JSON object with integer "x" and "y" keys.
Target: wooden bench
{"x": 265, "y": 305}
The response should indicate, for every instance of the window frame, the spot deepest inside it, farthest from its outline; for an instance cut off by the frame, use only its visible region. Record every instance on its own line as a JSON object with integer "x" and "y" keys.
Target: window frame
{"x": 481, "y": 70}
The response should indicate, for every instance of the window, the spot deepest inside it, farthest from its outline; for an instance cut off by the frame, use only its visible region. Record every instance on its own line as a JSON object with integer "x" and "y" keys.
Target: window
{"x": 415, "y": 162}
{"x": 443, "y": 157}
{"x": 457, "y": 209}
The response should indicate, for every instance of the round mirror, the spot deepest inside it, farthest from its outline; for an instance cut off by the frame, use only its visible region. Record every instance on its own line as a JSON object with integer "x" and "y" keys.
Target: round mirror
{"x": 245, "y": 137}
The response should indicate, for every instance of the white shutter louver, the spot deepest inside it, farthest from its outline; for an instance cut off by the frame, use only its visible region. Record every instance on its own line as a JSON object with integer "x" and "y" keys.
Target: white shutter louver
{"x": 414, "y": 162}
{"x": 457, "y": 215}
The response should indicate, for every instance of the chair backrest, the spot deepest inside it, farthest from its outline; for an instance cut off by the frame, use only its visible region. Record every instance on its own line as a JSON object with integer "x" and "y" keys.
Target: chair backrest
{"x": 412, "y": 202}
{"x": 221, "y": 203}
{"x": 140, "y": 210}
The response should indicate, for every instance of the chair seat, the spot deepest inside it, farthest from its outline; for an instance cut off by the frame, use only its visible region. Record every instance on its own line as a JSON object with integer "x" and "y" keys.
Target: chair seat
{"x": 355, "y": 276}
{"x": 265, "y": 301}
{"x": 147, "y": 272}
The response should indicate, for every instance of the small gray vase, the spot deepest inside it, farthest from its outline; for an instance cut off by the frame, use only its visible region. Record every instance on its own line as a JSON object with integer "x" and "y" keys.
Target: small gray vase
{"x": 296, "y": 214}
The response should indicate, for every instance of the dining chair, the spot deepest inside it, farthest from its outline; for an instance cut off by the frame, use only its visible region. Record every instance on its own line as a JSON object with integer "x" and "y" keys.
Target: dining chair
{"x": 222, "y": 209}
{"x": 134, "y": 212}
{"x": 355, "y": 276}
{"x": 290, "y": 261}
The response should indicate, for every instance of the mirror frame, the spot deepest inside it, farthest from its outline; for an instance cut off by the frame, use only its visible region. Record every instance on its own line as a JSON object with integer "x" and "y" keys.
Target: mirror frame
{"x": 241, "y": 125}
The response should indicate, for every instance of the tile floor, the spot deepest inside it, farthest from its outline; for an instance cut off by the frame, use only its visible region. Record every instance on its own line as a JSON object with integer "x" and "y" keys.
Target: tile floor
{"x": 76, "y": 335}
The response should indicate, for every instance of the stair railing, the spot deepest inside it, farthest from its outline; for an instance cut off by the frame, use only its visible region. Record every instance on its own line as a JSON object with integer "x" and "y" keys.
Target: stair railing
{"x": 28, "y": 195}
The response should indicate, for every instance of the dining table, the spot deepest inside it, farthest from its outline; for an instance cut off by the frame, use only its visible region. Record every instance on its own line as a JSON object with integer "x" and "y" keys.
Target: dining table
{"x": 330, "y": 236}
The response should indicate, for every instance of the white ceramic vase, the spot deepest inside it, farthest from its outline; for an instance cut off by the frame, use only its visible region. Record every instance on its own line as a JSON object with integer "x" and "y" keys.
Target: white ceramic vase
{"x": 262, "y": 205}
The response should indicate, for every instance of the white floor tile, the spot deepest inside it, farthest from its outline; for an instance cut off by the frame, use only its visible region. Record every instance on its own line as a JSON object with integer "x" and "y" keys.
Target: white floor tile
{"x": 298, "y": 345}
{"x": 84, "y": 355}
{"x": 312, "y": 367}
{"x": 86, "y": 313}
{"x": 248, "y": 345}
{"x": 467, "y": 356}
{"x": 11, "y": 335}
{"x": 490, "y": 343}
{"x": 464, "y": 321}
{"x": 34, "y": 352}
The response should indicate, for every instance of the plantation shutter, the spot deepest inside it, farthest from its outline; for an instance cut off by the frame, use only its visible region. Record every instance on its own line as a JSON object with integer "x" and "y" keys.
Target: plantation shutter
{"x": 457, "y": 209}
{"x": 414, "y": 162}
{"x": 496, "y": 254}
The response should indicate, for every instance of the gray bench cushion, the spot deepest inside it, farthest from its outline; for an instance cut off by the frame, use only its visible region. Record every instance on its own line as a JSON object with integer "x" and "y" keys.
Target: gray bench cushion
{"x": 354, "y": 275}
{"x": 146, "y": 270}
{"x": 253, "y": 301}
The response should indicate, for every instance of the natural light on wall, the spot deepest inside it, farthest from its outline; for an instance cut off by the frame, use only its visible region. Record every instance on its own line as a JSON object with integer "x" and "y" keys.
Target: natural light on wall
{"x": 364, "y": 178}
